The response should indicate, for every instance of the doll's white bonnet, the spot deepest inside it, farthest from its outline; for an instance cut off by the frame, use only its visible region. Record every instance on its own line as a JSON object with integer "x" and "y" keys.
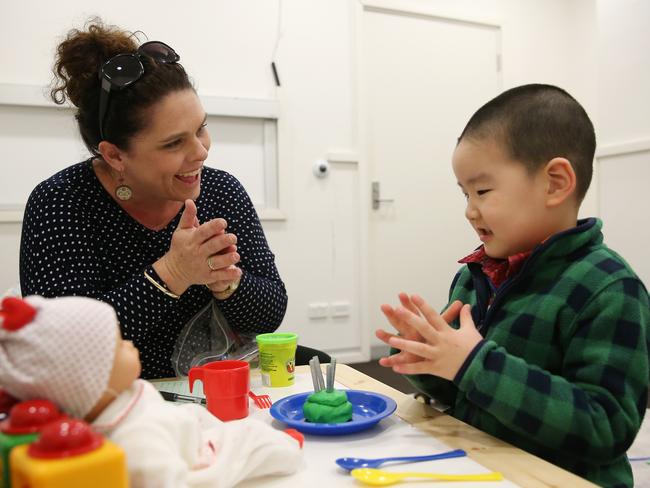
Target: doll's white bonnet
{"x": 59, "y": 349}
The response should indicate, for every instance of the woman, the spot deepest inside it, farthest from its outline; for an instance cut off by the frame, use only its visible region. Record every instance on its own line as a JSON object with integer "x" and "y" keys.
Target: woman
{"x": 143, "y": 224}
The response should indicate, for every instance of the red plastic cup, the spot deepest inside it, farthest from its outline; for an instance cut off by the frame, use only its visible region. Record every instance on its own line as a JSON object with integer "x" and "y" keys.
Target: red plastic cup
{"x": 226, "y": 385}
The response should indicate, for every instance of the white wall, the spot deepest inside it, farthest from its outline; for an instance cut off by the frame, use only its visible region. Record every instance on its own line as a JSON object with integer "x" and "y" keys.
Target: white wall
{"x": 317, "y": 247}
{"x": 542, "y": 42}
{"x": 227, "y": 47}
{"x": 623, "y": 81}
{"x": 623, "y": 70}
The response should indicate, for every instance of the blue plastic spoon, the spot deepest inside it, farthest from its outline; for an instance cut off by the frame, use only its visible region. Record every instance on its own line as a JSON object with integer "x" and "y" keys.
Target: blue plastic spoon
{"x": 356, "y": 463}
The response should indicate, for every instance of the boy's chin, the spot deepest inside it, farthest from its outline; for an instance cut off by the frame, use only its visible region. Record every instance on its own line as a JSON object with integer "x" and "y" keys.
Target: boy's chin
{"x": 496, "y": 253}
{"x": 491, "y": 251}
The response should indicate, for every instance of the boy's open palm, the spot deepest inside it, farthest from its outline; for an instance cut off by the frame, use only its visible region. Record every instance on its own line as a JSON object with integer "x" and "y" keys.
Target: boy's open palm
{"x": 407, "y": 331}
{"x": 428, "y": 344}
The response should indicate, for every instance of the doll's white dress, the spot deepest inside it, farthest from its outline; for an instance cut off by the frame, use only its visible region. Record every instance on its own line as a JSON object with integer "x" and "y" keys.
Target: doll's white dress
{"x": 175, "y": 446}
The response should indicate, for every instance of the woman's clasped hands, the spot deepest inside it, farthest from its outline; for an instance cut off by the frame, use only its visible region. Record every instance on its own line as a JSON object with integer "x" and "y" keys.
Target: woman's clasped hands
{"x": 202, "y": 254}
{"x": 427, "y": 343}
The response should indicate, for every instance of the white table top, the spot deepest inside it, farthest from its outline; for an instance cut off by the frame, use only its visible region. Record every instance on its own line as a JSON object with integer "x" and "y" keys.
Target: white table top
{"x": 391, "y": 437}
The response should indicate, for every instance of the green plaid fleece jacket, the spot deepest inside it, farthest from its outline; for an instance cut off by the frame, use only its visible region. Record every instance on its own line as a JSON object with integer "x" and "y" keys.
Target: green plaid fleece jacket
{"x": 562, "y": 371}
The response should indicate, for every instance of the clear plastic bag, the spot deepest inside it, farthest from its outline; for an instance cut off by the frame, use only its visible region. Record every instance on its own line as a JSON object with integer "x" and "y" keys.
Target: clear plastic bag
{"x": 207, "y": 337}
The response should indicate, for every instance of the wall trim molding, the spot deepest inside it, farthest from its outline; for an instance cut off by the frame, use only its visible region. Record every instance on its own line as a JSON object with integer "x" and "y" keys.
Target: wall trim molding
{"x": 629, "y": 147}
{"x": 11, "y": 213}
{"x": 36, "y": 96}
{"x": 17, "y": 95}
{"x": 399, "y": 7}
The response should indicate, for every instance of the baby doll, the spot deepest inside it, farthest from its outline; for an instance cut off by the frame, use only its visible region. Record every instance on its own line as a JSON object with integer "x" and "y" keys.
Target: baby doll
{"x": 69, "y": 350}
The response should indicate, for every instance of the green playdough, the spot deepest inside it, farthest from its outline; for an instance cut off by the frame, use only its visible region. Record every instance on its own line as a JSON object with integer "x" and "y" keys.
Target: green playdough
{"x": 327, "y": 407}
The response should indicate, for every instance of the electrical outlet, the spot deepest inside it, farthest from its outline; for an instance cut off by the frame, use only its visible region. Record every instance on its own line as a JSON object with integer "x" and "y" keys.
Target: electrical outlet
{"x": 318, "y": 310}
{"x": 341, "y": 309}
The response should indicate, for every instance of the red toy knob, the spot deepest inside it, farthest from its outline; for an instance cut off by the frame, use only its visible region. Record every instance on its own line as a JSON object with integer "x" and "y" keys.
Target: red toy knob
{"x": 65, "y": 438}
{"x": 30, "y": 416}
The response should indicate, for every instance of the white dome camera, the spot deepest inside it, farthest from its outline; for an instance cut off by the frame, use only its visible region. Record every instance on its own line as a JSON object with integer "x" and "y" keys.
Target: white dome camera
{"x": 321, "y": 168}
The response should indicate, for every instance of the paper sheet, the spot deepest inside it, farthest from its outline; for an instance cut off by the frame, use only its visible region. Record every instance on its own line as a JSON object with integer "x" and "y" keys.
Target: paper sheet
{"x": 182, "y": 387}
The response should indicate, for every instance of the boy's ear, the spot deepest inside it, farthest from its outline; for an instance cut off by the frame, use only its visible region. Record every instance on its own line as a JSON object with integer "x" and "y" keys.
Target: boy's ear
{"x": 561, "y": 181}
{"x": 112, "y": 155}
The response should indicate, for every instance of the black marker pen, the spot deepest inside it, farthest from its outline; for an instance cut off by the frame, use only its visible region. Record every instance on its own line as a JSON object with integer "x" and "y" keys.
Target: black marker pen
{"x": 177, "y": 397}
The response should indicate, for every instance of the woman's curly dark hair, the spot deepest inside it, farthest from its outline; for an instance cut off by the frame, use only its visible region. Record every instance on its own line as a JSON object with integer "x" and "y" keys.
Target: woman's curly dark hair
{"x": 79, "y": 58}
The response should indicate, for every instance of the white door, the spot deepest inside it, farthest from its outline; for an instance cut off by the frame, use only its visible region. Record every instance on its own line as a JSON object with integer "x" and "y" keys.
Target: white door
{"x": 422, "y": 78}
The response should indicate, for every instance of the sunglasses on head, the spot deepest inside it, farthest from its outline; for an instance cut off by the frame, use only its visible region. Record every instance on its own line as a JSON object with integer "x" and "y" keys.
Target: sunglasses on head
{"x": 123, "y": 70}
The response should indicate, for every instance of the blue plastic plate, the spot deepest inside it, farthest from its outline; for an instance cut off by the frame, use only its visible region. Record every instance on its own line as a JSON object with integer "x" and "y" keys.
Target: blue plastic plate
{"x": 367, "y": 410}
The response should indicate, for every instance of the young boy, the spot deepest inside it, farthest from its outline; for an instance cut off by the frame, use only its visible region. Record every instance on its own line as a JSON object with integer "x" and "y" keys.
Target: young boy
{"x": 544, "y": 343}
{"x": 70, "y": 351}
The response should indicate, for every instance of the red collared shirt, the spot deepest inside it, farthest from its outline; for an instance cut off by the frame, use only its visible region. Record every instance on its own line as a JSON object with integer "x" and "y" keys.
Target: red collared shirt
{"x": 497, "y": 270}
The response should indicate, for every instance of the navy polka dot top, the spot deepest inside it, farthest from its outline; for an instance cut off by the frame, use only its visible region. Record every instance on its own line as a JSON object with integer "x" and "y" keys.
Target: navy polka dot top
{"x": 76, "y": 240}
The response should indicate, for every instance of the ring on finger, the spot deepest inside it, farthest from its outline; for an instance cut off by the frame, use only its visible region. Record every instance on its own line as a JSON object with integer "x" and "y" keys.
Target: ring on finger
{"x": 210, "y": 265}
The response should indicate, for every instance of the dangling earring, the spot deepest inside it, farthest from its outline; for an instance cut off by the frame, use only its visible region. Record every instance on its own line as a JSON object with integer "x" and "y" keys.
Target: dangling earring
{"x": 123, "y": 191}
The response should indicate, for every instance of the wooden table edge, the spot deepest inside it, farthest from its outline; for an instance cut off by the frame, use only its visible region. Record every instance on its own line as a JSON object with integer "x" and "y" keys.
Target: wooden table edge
{"x": 517, "y": 465}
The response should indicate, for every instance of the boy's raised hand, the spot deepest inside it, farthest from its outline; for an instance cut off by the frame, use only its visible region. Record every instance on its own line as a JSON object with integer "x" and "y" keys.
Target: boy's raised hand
{"x": 402, "y": 327}
{"x": 406, "y": 331}
{"x": 427, "y": 343}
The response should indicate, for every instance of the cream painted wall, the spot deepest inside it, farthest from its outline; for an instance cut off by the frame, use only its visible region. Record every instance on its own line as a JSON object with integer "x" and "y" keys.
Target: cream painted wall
{"x": 227, "y": 46}
{"x": 542, "y": 42}
{"x": 623, "y": 74}
{"x": 317, "y": 247}
{"x": 623, "y": 43}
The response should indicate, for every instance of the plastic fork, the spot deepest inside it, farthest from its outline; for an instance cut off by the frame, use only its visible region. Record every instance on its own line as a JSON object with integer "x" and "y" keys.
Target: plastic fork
{"x": 262, "y": 401}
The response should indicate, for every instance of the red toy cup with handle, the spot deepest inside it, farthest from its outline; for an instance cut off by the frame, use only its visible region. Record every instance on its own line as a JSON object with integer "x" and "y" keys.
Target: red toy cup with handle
{"x": 226, "y": 385}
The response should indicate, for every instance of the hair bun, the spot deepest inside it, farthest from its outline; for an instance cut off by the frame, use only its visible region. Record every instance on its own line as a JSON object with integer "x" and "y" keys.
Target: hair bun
{"x": 79, "y": 57}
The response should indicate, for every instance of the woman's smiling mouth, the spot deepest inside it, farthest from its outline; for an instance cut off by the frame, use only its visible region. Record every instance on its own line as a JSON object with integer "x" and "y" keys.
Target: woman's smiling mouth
{"x": 189, "y": 177}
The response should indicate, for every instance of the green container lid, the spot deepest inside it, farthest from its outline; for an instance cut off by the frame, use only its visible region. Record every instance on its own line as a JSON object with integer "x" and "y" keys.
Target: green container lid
{"x": 277, "y": 338}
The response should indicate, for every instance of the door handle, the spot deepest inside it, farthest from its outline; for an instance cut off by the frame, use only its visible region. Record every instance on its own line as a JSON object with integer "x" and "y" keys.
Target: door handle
{"x": 376, "y": 200}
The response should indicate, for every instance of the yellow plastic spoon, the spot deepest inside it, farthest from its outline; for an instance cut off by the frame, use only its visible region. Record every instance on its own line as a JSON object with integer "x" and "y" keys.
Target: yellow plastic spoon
{"x": 379, "y": 477}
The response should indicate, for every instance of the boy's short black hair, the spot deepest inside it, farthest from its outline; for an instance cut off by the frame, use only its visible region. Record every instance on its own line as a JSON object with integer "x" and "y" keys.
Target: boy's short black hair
{"x": 537, "y": 123}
